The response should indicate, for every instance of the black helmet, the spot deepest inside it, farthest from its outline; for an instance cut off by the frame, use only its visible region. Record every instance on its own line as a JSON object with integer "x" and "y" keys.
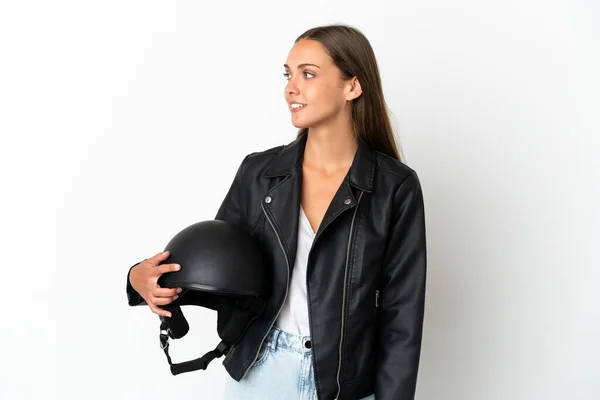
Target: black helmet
{"x": 222, "y": 268}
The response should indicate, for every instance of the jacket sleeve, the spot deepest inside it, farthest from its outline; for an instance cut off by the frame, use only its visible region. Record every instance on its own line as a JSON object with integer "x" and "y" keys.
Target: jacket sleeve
{"x": 230, "y": 211}
{"x": 133, "y": 297}
{"x": 402, "y": 296}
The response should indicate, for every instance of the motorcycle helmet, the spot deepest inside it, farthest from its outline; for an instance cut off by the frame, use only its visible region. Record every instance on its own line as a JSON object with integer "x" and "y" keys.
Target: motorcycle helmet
{"x": 223, "y": 269}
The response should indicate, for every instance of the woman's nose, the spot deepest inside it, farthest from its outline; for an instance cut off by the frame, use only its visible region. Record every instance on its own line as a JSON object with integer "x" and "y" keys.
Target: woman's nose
{"x": 291, "y": 87}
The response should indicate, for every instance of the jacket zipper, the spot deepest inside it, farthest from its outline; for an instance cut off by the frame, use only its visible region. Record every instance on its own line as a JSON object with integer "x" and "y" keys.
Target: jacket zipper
{"x": 344, "y": 300}
{"x": 286, "y": 290}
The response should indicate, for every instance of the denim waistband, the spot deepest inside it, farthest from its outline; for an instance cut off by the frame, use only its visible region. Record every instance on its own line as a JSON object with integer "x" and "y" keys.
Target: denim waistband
{"x": 282, "y": 339}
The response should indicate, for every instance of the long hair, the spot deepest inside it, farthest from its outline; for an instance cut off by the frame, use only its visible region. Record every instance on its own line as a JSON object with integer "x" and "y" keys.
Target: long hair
{"x": 353, "y": 55}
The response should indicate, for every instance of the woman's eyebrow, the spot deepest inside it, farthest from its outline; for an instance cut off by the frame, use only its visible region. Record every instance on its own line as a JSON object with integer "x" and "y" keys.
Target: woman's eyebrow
{"x": 302, "y": 65}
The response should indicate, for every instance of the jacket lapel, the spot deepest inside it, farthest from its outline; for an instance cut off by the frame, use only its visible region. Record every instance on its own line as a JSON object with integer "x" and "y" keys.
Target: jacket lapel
{"x": 282, "y": 201}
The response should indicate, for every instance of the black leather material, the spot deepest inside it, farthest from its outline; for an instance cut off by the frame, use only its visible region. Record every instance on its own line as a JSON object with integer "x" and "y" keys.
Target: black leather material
{"x": 366, "y": 269}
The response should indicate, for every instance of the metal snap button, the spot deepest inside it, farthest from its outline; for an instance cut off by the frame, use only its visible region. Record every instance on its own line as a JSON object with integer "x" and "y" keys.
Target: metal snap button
{"x": 268, "y": 199}
{"x": 347, "y": 201}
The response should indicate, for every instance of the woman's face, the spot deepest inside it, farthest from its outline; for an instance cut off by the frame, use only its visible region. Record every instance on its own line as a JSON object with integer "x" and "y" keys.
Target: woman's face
{"x": 315, "y": 92}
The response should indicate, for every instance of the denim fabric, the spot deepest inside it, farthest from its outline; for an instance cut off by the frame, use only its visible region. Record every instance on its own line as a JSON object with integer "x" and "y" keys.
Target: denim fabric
{"x": 283, "y": 370}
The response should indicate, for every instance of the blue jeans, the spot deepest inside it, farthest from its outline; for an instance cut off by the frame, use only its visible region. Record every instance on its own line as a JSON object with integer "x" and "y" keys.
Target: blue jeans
{"x": 283, "y": 370}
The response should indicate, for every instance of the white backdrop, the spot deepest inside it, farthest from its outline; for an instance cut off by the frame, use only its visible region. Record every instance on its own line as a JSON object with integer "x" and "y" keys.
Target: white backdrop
{"x": 124, "y": 121}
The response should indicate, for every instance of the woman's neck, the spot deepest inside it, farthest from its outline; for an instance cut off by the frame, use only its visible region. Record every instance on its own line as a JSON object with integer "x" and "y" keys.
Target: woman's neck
{"x": 330, "y": 149}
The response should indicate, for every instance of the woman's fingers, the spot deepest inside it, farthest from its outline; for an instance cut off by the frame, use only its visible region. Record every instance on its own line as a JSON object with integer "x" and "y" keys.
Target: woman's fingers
{"x": 161, "y": 301}
{"x": 164, "y": 268}
{"x": 159, "y": 257}
{"x": 157, "y": 310}
{"x": 165, "y": 292}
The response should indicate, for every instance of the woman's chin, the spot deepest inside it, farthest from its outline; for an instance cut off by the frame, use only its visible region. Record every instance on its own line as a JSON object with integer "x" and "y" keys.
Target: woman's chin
{"x": 299, "y": 124}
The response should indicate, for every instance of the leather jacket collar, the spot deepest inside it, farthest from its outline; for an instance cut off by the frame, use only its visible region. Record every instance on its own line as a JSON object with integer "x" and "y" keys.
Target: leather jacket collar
{"x": 288, "y": 162}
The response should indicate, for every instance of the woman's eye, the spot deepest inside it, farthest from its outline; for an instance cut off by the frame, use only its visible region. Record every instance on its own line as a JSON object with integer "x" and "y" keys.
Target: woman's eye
{"x": 308, "y": 75}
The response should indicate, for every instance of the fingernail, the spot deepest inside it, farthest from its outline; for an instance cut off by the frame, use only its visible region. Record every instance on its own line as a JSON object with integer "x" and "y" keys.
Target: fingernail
{"x": 177, "y": 266}
{"x": 175, "y": 297}
{"x": 178, "y": 290}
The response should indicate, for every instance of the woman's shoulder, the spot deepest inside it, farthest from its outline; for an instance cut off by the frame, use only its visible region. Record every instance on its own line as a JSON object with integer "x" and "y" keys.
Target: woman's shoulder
{"x": 260, "y": 159}
{"x": 264, "y": 154}
{"x": 256, "y": 162}
{"x": 272, "y": 158}
{"x": 393, "y": 168}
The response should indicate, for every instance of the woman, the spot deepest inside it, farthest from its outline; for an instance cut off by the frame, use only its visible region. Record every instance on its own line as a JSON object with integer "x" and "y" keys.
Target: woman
{"x": 342, "y": 220}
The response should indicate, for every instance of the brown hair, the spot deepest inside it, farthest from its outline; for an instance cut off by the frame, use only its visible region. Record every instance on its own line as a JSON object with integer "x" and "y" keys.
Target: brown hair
{"x": 353, "y": 55}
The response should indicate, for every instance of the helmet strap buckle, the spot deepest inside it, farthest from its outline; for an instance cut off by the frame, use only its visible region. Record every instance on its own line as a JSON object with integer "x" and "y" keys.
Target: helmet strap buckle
{"x": 192, "y": 365}
{"x": 164, "y": 338}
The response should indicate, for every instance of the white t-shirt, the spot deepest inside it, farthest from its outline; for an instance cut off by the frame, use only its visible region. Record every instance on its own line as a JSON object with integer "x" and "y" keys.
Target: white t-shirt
{"x": 293, "y": 317}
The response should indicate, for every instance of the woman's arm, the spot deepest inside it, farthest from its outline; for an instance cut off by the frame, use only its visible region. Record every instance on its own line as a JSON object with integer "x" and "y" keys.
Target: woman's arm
{"x": 402, "y": 296}
{"x": 229, "y": 211}
{"x": 133, "y": 297}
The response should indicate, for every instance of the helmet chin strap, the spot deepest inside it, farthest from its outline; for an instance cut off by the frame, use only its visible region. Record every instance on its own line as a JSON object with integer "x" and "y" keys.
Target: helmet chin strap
{"x": 176, "y": 327}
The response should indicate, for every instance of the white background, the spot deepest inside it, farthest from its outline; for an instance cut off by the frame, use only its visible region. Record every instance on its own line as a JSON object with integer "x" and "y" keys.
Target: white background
{"x": 124, "y": 121}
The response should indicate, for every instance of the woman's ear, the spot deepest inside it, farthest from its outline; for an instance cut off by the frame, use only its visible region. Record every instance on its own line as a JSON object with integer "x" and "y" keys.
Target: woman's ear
{"x": 355, "y": 89}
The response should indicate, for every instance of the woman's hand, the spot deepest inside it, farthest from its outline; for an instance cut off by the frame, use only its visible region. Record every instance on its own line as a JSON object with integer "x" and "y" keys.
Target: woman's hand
{"x": 144, "y": 279}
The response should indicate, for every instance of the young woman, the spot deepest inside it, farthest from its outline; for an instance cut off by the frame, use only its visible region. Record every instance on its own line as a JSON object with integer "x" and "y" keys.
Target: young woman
{"x": 342, "y": 220}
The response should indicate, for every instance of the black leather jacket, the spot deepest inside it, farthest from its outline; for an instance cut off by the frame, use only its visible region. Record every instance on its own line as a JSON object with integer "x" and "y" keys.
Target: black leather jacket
{"x": 366, "y": 269}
